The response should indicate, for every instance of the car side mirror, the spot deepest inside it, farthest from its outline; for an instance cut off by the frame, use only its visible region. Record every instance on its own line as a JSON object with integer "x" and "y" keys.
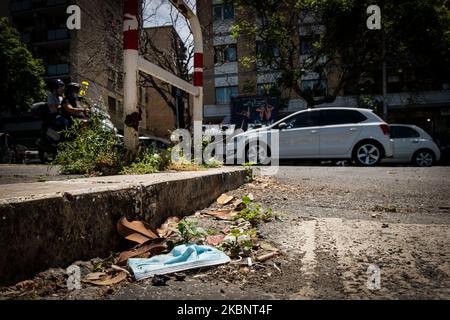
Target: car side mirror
{"x": 282, "y": 126}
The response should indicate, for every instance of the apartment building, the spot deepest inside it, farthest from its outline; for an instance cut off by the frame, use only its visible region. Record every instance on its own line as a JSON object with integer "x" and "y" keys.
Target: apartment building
{"x": 225, "y": 76}
{"x": 92, "y": 54}
{"x": 163, "y": 106}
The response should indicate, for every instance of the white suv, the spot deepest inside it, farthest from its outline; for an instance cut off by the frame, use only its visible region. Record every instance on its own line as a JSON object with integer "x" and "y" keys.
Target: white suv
{"x": 324, "y": 133}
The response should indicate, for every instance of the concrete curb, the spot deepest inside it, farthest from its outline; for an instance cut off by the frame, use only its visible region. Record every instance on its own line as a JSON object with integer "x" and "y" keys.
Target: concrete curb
{"x": 77, "y": 220}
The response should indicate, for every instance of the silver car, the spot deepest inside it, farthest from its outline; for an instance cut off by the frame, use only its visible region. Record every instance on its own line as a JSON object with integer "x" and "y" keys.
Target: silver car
{"x": 413, "y": 145}
{"x": 324, "y": 133}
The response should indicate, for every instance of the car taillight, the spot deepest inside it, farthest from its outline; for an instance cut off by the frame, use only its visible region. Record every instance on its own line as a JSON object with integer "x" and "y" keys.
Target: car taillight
{"x": 385, "y": 128}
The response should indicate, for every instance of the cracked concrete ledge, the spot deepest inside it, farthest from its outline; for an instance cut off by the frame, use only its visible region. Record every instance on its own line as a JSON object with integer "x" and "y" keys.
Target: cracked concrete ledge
{"x": 52, "y": 224}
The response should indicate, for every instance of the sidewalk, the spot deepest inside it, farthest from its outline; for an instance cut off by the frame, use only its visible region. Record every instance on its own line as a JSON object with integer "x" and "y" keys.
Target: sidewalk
{"x": 53, "y": 223}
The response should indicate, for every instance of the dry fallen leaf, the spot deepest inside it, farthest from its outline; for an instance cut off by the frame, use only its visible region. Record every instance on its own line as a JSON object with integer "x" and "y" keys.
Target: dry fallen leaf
{"x": 95, "y": 276}
{"x": 215, "y": 240}
{"x": 222, "y": 214}
{"x": 108, "y": 280}
{"x": 224, "y": 199}
{"x": 267, "y": 246}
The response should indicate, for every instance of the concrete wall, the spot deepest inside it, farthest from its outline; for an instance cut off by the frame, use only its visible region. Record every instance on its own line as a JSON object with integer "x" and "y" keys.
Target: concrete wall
{"x": 56, "y": 230}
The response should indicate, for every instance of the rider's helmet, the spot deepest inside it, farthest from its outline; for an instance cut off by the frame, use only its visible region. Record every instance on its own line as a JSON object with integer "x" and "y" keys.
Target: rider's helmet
{"x": 56, "y": 84}
{"x": 73, "y": 87}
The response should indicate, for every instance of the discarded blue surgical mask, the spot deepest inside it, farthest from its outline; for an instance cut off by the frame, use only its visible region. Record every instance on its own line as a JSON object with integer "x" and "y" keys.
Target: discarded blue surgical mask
{"x": 182, "y": 257}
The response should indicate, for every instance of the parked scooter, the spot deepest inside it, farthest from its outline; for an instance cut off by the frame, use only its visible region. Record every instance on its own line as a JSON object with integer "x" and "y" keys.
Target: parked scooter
{"x": 50, "y": 135}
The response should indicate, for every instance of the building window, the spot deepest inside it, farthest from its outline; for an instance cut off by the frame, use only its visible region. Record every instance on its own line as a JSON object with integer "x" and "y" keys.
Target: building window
{"x": 223, "y": 12}
{"x": 55, "y": 2}
{"x": 318, "y": 87}
{"x": 227, "y": 53}
{"x": 264, "y": 50}
{"x": 58, "y": 69}
{"x": 120, "y": 106}
{"x": 57, "y": 34}
{"x": 19, "y": 5}
{"x": 224, "y": 94}
{"x": 112, "y": 104}
{"x": 307, "y": 44}
{"x": 120, "y": 81}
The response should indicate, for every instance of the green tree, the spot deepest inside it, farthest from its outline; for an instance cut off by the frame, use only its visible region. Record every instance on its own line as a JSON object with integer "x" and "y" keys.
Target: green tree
{"x": 414, "y": 41}
{"x": 20, "y": 74}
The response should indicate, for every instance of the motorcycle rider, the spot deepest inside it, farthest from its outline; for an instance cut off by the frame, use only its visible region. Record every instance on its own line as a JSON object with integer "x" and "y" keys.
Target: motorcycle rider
{"x": 70, "y": 104}
{"x": 54, "y": 100}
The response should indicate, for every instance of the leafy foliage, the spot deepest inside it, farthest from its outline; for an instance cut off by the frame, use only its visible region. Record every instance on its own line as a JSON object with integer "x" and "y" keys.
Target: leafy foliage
{"x": 90, "y": 149}
{"x": 188, "y": 232}
{"x": 254, "y": 213}
{"x": 150, "y": 161}
{"x": 346, "y": 50}
{"x": 20, "y": 73}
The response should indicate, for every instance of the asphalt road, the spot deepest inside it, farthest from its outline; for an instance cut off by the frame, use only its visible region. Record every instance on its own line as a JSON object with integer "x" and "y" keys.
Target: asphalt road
{"x": 343, "y": 233}
{"x": 344, "y": 221}
{"x": 340, "y": 227}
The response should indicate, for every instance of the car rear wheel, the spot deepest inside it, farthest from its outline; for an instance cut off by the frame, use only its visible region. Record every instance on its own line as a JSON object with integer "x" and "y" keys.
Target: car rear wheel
{"x": 367, "y": 154}
{"x": 423, "y": 158}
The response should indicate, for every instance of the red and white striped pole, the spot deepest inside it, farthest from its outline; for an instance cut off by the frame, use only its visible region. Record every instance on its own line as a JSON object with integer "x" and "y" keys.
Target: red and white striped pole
{"x": 198, "y": 107}
{"x": 130, "y": 68}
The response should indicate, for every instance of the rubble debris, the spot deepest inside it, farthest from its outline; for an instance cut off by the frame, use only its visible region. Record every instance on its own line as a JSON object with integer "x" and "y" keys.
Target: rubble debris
{"x": 266, "y": 256}
{"x": 215, "y": 239}
{"x": 385, "y": 208}
{"x": 182, "y": 257}
{"x": 224, "y": 199}
{"x": 179, "y": 276}
{"x": 276, "y": 267}
{"x": 159, "y": 280}
{"x": 267, "y": 246}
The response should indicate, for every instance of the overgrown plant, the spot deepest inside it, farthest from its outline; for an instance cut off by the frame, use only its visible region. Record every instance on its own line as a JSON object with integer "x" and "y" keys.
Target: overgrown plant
{"x": 150, "y": 161}
{"x": 254, "y": 213}
{"x": 188, "y": 232}
{"x": 239, "y": 243}
{"x": 90, "y": 149}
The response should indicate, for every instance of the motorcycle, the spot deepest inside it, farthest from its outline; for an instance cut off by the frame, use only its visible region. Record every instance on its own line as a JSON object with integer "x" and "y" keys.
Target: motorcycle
{"x": 51, "y": 135}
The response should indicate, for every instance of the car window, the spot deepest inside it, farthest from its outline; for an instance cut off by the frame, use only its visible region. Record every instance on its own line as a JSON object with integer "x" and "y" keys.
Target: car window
{"x": 333, "y": 117}
{"x": 304, "y": 119}
{"x": 398, "y": 132}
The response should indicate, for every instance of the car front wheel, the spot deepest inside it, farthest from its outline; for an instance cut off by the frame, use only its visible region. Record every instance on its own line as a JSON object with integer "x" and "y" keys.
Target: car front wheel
{"x": 258, "y": 153}
{"x": 367, "y": 154}
{"x": 423, "y": 158}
